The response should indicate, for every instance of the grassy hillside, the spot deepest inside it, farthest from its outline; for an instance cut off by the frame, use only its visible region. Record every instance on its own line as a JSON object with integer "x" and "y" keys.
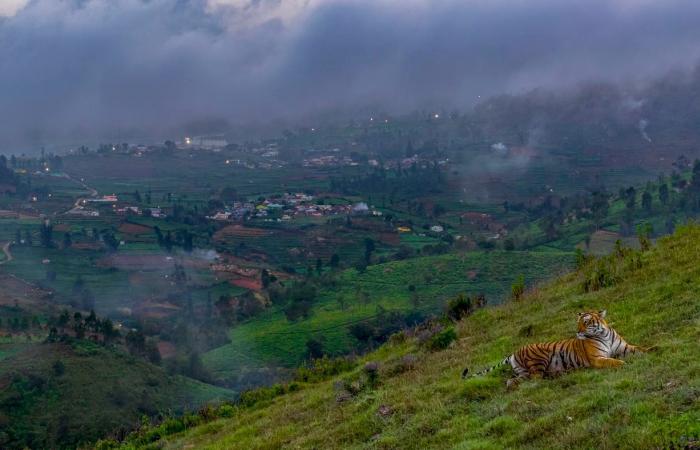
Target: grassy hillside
{"x": 651, "y": 402}
{"x": 57, "y": 395}
{"x": 420, "y": 284}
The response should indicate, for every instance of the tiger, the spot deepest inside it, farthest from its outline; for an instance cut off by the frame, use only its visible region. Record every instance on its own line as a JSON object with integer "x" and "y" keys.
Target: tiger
{"x": 596, "y": 345}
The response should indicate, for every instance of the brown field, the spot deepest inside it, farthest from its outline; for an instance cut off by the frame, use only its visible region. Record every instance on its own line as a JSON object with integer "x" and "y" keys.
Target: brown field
{"x": 155, "y": 310}
{"x": 392, "y": 239}
{"x": 148, "y": 262}
{"x": 240, "y": 231}
{"x": 247, "y": 283}
{"x": 137, "y": 262}
{"x": 166, "y": 349}
{"x": 87, "y": 246}
{"x": 133, "y": 228}
{"x": 16, "y": 291}
{"x": 61, "y": 227}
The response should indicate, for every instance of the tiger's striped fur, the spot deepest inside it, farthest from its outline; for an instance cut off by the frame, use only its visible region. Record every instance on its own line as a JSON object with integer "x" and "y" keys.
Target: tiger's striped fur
{"x": 595, "y": 345}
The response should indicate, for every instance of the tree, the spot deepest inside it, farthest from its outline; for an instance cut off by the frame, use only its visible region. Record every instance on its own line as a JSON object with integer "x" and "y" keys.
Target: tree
{"x": 195, "y": 369}
{"x": 644, "y": 233}
{"x": 369, "y": 248}
{"x": 335, "y": 261}
{"x": 438, "y": 210}
{"x": 509, "y": 244}
{"x": 599, "y": 207}
{"x": 187, "y": 244}
{"x": 663, "y": 193}
{"x": 136, "y": 342}
{"x": 168, "y": 241}
{"x": 314, "y": 348}
{"x": 319, "y": 266}
{"x": 58, "y": 368}
{"x": 110, "y": 240}
{"x": 646, "y": 202}
{"x": 159, "y": 236}
{"x": 152, "y": 352}
{"x": 265, "y": 278}
{"x": 630, "y": 197}
{"x": 46, "y": 234}
{"x": 67, "y": 241}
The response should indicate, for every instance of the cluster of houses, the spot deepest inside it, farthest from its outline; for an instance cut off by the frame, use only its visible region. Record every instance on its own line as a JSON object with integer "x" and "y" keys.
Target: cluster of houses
{"x": 329, "y": 161}
{"x": 287, "y": 207}
{"x": 81, "y": 209}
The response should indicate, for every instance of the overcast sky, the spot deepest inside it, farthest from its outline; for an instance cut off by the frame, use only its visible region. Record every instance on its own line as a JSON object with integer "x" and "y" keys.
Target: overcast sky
{"x": 74, "y": 68}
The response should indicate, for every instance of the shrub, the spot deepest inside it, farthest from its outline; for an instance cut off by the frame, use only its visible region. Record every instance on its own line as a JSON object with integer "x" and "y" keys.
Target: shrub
{"x": 459, "y": 307}
{"x": 517, "y": 289}
{"x": 401, "y": 365}
{"x": 371, "y": 371}
{"x": 442, "y": 340}
{"x": 254, "y": 396}
{"x": 323, "y": 368}
{"x": 58, "y": 368}
{"x": 607, "y": 271}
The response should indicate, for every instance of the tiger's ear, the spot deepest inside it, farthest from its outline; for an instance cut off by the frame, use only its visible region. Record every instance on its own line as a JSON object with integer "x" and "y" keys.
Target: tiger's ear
{"x": 602, "y": 313}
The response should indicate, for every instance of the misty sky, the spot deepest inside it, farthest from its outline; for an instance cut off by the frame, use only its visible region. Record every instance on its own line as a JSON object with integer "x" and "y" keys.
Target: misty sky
{"x": 76, "y": 68}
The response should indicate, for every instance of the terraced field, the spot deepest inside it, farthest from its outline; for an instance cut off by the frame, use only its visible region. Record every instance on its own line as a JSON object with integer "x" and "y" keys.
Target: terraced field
{"x": 271, "y": 340}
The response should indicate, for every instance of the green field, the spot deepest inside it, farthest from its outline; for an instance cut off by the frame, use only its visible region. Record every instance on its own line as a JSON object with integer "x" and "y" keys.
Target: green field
{"x": 650, "y": 402}
{"x": 270, "y": 339}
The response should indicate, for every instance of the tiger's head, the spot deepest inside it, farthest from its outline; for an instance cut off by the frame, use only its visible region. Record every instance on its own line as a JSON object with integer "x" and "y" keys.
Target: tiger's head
{"x": 591, "y": 324}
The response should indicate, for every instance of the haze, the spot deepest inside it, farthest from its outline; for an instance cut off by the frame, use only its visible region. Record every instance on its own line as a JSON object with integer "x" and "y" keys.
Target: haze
{"x": 93, "y": 69}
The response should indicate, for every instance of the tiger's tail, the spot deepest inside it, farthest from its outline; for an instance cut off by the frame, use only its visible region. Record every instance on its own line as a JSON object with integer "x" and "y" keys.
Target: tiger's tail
{"x": 465, "y": 372}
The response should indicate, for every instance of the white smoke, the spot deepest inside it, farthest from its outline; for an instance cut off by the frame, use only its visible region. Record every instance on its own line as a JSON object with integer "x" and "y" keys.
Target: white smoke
{"x": 643, "y": 124}
{"x": 500, "y": 148}
{"x": 207, "y": 255}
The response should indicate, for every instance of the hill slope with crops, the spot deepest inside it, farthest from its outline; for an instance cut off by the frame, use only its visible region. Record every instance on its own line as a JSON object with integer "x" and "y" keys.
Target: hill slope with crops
{"x": 409, "y": 394}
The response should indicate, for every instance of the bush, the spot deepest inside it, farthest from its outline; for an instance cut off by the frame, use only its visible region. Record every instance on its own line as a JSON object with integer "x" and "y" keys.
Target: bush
{"x": 253, "y": 396}
{"x": 401, "y": 365}
{"x": 517, "y": 289}
{"x": 323, "y": 368}
{"x": 442, "y": 340}
{"x": 459, "y": 307}
{"x": 58, "y": 368}
{"x": 607, "y": 271}
{"x": 371, "y": 371}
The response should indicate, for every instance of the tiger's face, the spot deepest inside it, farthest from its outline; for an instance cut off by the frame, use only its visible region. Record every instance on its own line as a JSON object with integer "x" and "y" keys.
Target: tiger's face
{"x": 591, "y": 324}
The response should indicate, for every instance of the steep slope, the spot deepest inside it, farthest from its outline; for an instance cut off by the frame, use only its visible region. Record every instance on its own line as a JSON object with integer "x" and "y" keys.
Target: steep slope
{"x": 419, "y": 402}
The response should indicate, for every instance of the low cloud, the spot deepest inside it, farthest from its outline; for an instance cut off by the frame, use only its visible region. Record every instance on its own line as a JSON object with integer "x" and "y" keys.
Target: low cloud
{"x": 111, "y": 69}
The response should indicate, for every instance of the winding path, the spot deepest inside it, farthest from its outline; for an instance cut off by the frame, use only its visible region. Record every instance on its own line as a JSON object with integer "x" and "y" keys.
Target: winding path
{"x": 78, "y": 202}
{"x": 6, "y": 250}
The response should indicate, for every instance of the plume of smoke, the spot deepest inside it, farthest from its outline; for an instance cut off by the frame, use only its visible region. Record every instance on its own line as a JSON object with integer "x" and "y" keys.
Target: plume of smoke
{"x": 642, "y": 125}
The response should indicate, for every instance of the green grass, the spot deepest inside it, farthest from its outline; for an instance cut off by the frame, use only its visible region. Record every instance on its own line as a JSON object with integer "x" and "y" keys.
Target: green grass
{"x": 99, "y": 391}
{"x": 270, "y": 339}
{"x": 651, "y": 402}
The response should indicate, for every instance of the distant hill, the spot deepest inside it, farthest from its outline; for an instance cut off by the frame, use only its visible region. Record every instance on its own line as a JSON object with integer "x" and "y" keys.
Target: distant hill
{"x": 412, "y": 397}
